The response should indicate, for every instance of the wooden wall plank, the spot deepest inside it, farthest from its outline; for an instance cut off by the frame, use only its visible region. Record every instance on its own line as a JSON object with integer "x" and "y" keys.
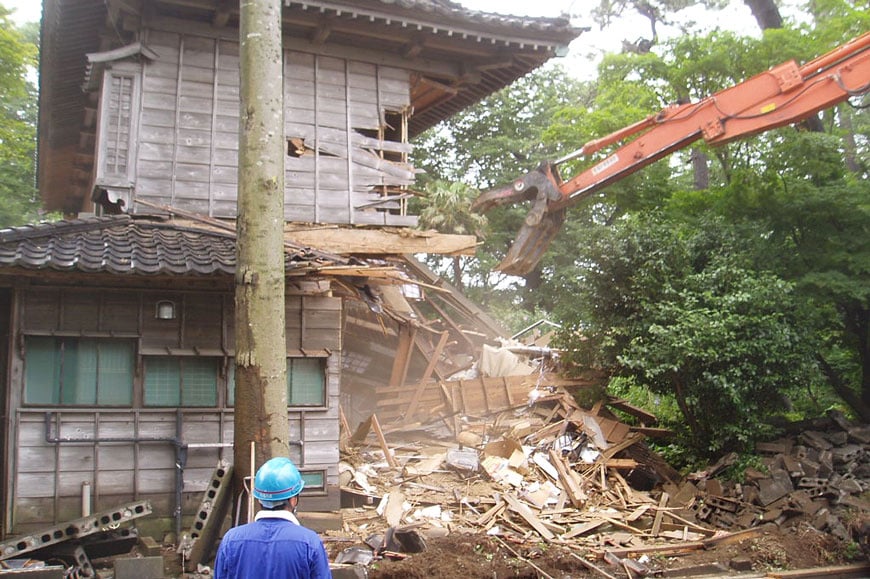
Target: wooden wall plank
{"x": 337, "y": 89}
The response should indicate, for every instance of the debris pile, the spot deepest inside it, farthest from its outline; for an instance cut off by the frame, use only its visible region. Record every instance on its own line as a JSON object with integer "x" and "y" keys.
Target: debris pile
{"x": 551, "y": 471}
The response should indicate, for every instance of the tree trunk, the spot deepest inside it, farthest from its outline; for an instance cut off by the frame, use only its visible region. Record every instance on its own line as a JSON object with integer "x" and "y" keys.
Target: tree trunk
{"x": 457, "y": 272}
{"x": 861, "y": 407}
{"x": 700, "y": 169}
{"x": 852, "y": 162}
{"x": 261, "y": 352}
{"x": 766, "y": 13}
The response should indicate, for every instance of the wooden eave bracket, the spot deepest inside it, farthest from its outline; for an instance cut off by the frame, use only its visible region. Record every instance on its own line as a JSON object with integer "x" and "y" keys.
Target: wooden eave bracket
{"x": 97, "y": 61}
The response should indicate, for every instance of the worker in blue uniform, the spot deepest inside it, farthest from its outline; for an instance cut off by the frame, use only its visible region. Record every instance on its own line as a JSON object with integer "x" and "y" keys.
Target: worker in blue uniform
{"x": 275, "y": 545}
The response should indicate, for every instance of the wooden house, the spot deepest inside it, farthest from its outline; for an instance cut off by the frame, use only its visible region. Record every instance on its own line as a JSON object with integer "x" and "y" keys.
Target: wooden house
{"x": 116, "y": 324}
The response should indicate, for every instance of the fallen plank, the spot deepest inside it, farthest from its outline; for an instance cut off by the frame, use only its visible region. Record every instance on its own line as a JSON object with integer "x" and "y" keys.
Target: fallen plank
{"x": 592, "y": 567}
{"x": 669, "y": 549}
{"x": 493, "y": 512}
{"x": 575, "y": 493}
{"x": 657, "y": 521}
{"x": 582, "y": 528}
{"x": 530, "y": 517}
{"x": 376, "y": 426}
{"x": 739, "y": 535}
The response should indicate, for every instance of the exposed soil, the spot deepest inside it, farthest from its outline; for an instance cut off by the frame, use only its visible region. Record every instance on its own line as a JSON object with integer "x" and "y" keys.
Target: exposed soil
{"x": 481, "y": 556}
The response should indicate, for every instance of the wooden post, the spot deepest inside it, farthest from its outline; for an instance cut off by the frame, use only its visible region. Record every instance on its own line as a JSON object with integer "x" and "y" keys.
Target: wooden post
{"x": 376, "y": 426}
{"x": 412, "y": 407}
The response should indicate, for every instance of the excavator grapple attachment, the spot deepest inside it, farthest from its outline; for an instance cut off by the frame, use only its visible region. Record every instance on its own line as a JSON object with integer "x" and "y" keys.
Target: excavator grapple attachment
{"x": 541, "y": 186}
{"x": 531, "y": 243}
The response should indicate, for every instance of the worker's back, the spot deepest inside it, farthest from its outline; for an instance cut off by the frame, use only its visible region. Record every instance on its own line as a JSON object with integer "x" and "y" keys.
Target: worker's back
{"x": 271, "y": 548}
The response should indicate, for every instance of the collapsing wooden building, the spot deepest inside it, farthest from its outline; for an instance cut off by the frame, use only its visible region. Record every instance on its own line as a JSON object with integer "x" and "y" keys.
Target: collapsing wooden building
{"x": 117, "y": 334}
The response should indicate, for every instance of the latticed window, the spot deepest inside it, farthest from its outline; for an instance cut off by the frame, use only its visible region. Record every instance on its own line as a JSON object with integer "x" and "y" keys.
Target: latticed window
{"x": 306, "y": 382}
{"x": 118, "y": 121}
{"x": 180, "y": 381}
{"x": 78, "y": 371}
{"x": 118, "y": 125}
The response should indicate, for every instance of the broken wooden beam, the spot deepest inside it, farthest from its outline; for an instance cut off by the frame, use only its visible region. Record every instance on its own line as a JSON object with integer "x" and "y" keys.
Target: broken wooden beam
{"x": 376, "y": 426}
{"x": 570, "y": 486}
{"x": 526, "y": 513}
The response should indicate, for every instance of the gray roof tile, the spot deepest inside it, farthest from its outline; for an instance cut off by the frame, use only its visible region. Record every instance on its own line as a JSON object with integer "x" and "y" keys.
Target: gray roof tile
{"x": 123, "y": 245}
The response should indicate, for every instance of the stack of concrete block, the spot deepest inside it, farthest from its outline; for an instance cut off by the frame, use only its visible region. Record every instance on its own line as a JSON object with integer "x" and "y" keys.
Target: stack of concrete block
{"x": 817, "y": 474}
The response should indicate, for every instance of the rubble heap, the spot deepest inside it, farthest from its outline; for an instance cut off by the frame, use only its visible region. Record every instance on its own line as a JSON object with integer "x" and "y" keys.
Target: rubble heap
{"x": 551, "y": 471}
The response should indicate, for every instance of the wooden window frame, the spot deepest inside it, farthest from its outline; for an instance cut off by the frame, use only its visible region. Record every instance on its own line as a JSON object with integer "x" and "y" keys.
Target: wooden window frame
{"x": 59, "y": 386}
{"x": 102, "y": 178}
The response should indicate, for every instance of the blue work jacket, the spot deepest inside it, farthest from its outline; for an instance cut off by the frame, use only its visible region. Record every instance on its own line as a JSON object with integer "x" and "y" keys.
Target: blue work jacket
{"x": 274, "y": 546}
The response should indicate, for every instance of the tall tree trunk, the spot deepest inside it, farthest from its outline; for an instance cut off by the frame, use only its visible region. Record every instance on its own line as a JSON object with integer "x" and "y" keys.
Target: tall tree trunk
{"x": 457, "y": 272}
{"x": 857, "y": 403}
{"x": 700, "y": 169}
{"x": 766, "y": 13}
{"x": 261, "y": 352}
{"x": 852, "y": 162}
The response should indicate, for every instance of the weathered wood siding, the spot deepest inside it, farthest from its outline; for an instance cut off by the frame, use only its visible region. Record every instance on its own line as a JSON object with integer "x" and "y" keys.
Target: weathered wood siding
{"x": 130, "y": 453}
{"x": 338, "y": 107}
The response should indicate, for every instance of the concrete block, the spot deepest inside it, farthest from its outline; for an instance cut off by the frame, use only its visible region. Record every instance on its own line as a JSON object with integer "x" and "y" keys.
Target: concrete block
{"x": 815, "y": 439}
{"x": 149, "y": 547}
{"x": 775, "y": 447}
{"x": 848, "y": 486}
{"x": 770, "y": 491}
{"x": 826, "y": 463}
{"x": 859, "y": 434}
{"x": 740, "y": 564}
{"x": 713, "y": 487}
{"x": 847, "y": 453}
{"x": 723, "y": 503}
{"x": 750, "y": 495}
{"x": 793, "y": 466}
{"x": 838, "y": 438}
{"x": 139, "y": 568}
{"x": 809, "y": 467}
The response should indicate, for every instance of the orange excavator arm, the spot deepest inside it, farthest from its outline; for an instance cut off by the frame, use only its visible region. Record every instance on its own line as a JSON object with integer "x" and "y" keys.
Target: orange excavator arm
{"x": 783, "y": 95}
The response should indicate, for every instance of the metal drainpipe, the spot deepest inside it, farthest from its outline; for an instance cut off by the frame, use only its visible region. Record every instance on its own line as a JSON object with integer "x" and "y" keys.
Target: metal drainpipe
{"x": 180, "y": 455}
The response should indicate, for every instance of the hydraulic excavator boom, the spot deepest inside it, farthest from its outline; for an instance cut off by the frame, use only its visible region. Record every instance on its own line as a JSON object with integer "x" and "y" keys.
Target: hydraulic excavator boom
{"x": 783, "y": 95}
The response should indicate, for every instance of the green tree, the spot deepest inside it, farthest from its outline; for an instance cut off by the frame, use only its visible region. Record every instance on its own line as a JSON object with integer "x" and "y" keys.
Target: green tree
{"x": 685, "y": 310}
{"x": 18, "y": 53}
{"x": 446, "y": 207}
{"x": 487, "y": 145}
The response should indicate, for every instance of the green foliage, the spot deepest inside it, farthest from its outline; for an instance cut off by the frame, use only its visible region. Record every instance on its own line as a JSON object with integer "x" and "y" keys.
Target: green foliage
{"x": 501, "y": 136}
{"x": 712, "y": 305}
{"x": 684, "y": 310}
{"x": 737, "y": 471}
{"x": 446, "y": 207}
{"x": 18, "y": 202}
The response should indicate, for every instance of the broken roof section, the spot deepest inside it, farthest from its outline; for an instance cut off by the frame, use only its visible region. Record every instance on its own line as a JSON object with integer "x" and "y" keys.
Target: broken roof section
{"x": 123, "y": 245}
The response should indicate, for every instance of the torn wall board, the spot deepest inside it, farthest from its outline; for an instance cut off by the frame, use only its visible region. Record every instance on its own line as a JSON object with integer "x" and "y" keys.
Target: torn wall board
{"x": 502, "y": 362}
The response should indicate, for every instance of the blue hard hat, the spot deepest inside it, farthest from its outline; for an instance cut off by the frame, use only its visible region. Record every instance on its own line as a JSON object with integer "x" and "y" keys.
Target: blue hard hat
{"x": 278, "y": 480}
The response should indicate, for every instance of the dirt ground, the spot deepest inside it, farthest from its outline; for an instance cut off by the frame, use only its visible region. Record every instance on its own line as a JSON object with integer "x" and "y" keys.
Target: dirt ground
{"x": 481, "y": 556}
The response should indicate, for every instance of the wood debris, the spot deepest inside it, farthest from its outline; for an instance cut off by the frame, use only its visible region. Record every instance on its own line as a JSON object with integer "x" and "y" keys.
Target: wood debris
{"x": 551, "y": 471}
